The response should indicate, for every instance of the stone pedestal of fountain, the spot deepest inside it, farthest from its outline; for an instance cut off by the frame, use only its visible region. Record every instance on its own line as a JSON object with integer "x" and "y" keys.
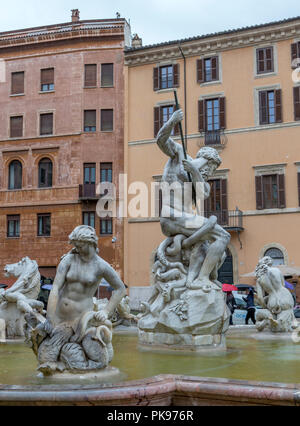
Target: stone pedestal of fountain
{"x": 193, "y": 321}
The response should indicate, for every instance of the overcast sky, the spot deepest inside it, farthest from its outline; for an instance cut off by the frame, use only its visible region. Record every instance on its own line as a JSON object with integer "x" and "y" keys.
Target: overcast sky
{"x": 154, "y": 20}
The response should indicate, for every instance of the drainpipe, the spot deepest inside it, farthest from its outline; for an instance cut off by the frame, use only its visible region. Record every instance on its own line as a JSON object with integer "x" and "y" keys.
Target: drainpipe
{"x": 185, "y": 95}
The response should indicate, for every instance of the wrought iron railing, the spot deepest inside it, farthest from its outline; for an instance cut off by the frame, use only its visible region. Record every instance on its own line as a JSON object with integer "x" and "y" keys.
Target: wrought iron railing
{"x": 214, "y": 138}
{"x": 232, "y": 219}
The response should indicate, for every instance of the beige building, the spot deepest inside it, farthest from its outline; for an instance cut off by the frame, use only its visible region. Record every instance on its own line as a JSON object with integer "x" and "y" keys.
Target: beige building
{"x": 243, "y": 98}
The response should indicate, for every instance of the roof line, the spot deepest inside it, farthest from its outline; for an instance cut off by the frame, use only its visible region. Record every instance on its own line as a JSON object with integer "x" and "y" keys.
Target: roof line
{"x": 52, "y": 26}
{"x": 184, "y": 40}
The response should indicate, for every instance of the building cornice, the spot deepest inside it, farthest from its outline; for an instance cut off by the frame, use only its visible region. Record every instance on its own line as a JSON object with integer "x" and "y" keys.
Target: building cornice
{"x": 229, "y": 40}
{"x": 62, "y": 32}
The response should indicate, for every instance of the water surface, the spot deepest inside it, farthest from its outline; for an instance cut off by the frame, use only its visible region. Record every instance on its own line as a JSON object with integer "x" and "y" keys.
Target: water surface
{"x": 245, "y": 359}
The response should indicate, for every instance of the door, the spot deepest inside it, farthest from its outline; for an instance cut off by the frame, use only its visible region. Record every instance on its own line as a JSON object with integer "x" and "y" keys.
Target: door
{"x": 226, "y": 271}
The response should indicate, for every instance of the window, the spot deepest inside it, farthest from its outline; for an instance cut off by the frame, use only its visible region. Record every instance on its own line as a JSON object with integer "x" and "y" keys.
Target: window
{"x": 106, "y": 226}
{"x": 107, "y": 120}
{"x": 217, "y": 203}
{"x": 17, "y": 83}
{"x": 106, "y": 172}
{"x": 107, "y": 75}
{"x": 15, "y": 175}
{"x": 295, "y": 51}
{"x": 89, "y": 187}
{"x": 270, "y": 191}
{"x": 44, "y": 224}
{"x": 47, "y": 79}
{"x": 212, "y": 119}
{"x": 45, "y": 173}
{"x": 89, "y": 121}
{"x": 296, "y": 103}
{"x": 88, "y": 219}
{"x": 90, "y": 75}
{"x": 16, "y": 126}
{"x": 208, "y": 69}
{"x": 166, "y": 77}
{"x": 276, "y": 255}
{"x": 13, "y": 226}
{"x": 162, "y": 115}
{"x": 270, "y": 110}
{"x": 46, "y": 124}
{"x": 265, "y": 60}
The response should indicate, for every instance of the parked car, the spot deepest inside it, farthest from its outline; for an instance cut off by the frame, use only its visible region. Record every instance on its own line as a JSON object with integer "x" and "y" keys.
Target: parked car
{"x": 3, "y": 286}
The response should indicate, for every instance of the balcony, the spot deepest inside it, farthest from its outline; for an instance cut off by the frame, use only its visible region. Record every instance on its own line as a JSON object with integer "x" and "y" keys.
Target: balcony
{"x": 213, "y": 138}
{"x": 231, "y": 220}
{"x": 87, "y": 192}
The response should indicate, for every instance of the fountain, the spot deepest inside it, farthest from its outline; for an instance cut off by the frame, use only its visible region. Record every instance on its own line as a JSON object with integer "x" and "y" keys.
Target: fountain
{"x": 181, "y": 330}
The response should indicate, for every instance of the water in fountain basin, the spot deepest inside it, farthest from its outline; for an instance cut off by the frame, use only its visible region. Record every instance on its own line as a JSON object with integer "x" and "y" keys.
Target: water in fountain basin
{"x": 245, "y": 359}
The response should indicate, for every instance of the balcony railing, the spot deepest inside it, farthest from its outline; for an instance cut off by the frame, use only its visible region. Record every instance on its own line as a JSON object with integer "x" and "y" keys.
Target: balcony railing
{"x": 213, "y": 138}
{"x": 229, "y": 219}
{"x": 87, "y": 192}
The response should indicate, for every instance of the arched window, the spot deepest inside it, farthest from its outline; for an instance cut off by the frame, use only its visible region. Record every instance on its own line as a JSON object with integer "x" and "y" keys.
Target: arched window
{"x": 276, "y": 255}
{"x": 45, "y": 173}
{"x": 15, "y": 175}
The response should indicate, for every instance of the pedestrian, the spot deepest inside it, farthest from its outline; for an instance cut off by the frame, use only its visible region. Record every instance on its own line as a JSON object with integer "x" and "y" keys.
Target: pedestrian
{"x": 231, "y": 303}
{"x": 250, "y": 307}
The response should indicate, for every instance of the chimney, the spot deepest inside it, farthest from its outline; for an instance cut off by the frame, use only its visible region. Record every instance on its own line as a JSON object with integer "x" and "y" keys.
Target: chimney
{"x": 75, "y": 15}
{"x": 137, "y": 41}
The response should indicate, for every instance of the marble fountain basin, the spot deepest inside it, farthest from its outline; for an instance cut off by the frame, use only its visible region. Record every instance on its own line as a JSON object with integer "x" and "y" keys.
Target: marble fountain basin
{"x": 250, "y": 372}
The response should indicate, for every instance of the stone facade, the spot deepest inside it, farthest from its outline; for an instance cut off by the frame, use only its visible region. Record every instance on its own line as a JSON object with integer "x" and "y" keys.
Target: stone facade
{"x": 66, "y": 49}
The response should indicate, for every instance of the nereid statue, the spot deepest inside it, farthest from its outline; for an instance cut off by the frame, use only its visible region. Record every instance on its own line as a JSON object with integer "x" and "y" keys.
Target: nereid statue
{"x": 20, "y": 299}
{"x": 73, "y": 336}
{"x": 187, "y": 306}
{"x": 277, "y": 301}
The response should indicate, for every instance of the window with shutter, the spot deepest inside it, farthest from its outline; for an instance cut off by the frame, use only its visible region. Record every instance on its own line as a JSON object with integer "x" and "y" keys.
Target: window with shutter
{"x": 107, "y": 75}
{"x": 270, "y": 106}
{"x": 16, "y": 126}
{"x": 161, "y": 116}
{"x": 217, "y": 203}
{"x": 208, "y": 69}
{"x": 166, "y": 77}
{"x": 270, "y": 191}
{"x": 107, "y": 120}
{"x": 265, "y": 60}
{"x": 296, "y": 91}
{"x": 46, "y": 124}
{"x": 17, "y": 83}
{"x": 47, "y": 79}
{"x": 13, "y": 226}
{"x": 45, "y": 173}
{"x": 295, "y": 54}
{"x": 15, "y": 175}
{"x": 90, "y": 75}
{"x": 89, "y": 124}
